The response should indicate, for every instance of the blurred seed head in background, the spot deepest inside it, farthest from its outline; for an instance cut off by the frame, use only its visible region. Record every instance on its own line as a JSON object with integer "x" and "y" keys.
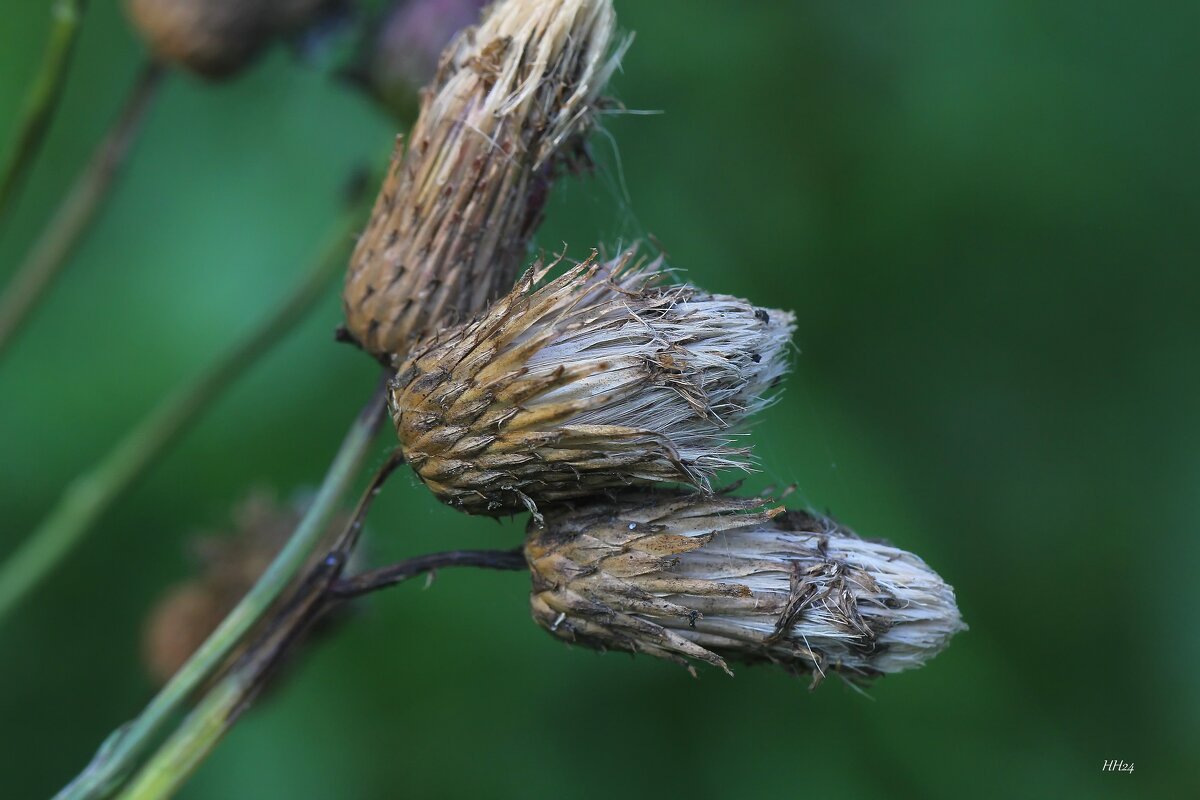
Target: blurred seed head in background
{"x": 229, "y": 563}
{"x": 217, "y": 38}
{"x": 402, "y": 53}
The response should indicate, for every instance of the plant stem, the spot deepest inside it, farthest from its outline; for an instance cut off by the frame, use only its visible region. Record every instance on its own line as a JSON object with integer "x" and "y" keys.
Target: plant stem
{"x": 118, "y": 757}
{"x": 42, "y": 97}
{"x": 200, "y": 733}
{"x": 216, "y": 714}
{"x": 401, "y": 571}
{"x": 218, "y": 710}
{"x": 77, "y": 210}
{"x": 91, "y": 494}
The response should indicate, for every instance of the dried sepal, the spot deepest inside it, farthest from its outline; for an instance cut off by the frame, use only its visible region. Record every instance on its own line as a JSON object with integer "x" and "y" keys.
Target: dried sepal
{"x": 451, "y": 225}
{"x": 604, "y": 377}
{"x": 717, "y": 579}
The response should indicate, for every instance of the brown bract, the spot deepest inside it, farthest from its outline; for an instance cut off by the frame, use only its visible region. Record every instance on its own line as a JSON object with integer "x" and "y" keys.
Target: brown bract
{"x": 602, "y": 378}
{"x": 686, "y": 577}
{"x": 451, "y": 225}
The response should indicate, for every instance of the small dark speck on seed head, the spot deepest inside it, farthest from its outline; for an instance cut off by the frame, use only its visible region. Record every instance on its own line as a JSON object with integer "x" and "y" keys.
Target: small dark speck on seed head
{"x": 755, "y": 357}
{"x": 762, "y": 315}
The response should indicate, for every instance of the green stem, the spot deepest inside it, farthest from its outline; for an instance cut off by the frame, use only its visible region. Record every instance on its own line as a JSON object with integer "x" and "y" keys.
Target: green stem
{"x": 74, "y": 215}
{"x": 187, "y": 748}
{"x": 42, "y": 97}
{"x": 118, "y": 756}
{"x": 198, "y": 735}
{"x": 91, "y": 494}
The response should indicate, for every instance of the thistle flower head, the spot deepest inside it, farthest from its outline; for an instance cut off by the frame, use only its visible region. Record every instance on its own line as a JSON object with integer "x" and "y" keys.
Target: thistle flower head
{"x": 452, "y": 222}
{"x": 601, "y": 378}
{"x": 215, "y": 38}
{"x": 710, "y": 579}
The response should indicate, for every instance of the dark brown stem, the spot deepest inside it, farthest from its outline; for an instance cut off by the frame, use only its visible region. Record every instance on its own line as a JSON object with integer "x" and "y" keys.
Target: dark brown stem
{"x": 313, "y": 596}
{"x": 349, "y": 535}
{"x": 323, "y": 589}
{"x": 401, "y": 571}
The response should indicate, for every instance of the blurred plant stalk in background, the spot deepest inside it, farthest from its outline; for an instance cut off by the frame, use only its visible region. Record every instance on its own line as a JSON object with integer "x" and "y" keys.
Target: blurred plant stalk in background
{"x": 91, "y": 494}
{"x": 73, "y": 218}
{"x": 215, "y": 39}
{"x": 41, "y": 99}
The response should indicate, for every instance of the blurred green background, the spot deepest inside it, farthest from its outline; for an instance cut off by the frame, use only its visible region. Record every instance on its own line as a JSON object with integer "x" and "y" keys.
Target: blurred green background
{"x": 986, "y": 217}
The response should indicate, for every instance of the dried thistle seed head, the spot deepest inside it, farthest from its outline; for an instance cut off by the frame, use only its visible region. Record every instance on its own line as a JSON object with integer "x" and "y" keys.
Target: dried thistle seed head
{"x": 229, "y": 564}
{"x": 602, "y": 378}
{"x": 402, "y": 56}
{"x": 687, "y": 577}
{"x": 452, "y": 222}
{"x": 215, "y": 38}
